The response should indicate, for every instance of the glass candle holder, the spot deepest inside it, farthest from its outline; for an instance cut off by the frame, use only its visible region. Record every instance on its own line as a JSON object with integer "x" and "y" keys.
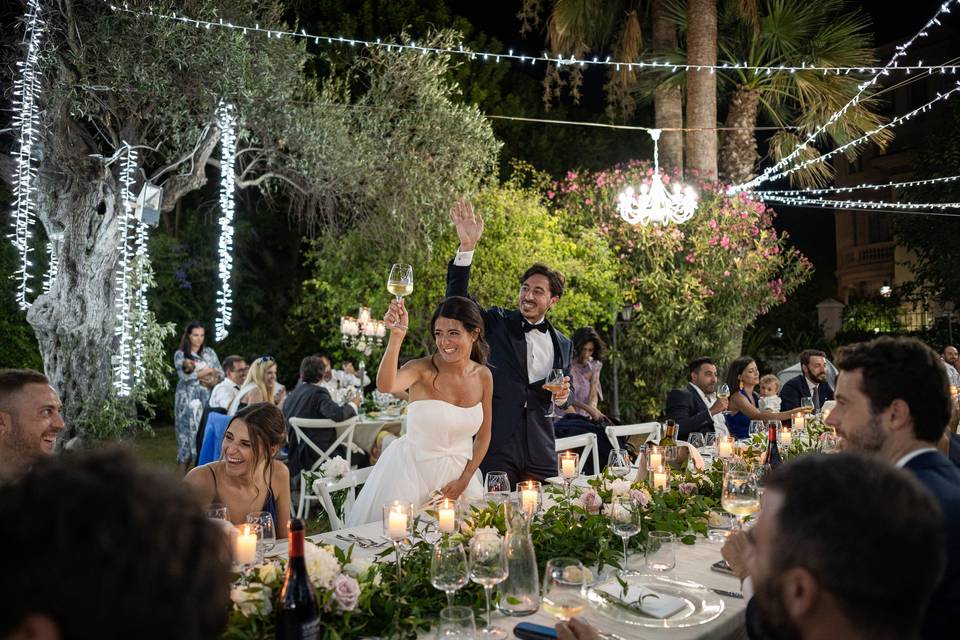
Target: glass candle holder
{"x": 397, "y": 526}
{"x": 568, "y": 468}
{"x": 659, "y": 478}
{"x": 530, "y": 495}
{"x": 726, "y": 447}
{"x": 448, "y": 515}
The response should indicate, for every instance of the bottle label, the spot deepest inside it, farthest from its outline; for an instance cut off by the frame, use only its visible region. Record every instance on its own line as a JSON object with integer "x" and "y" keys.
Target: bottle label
{"x": 310, "y": 630}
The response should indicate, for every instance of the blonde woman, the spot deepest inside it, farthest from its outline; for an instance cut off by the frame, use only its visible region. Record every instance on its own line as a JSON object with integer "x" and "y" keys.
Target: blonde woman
{"x": 260, "y": 386}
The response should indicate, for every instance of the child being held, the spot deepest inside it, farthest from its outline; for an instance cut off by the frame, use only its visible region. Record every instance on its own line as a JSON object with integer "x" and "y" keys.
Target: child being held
{"x": 769, "y": 388}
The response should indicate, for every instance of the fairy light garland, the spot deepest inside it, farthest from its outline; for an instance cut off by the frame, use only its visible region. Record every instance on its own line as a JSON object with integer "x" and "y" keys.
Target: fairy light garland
{"x": 859, "y": 187}
{"x": 142, "y": 262}
{"x": 122, "y": 293}
{"x": 54, "y": 266}
{"x": 227, "y": 122}
{"x": 596, "y": 61}
{"x": 857, "y": 204}
{"x": 26, "y": 121}
{"x": 773, "y": 172}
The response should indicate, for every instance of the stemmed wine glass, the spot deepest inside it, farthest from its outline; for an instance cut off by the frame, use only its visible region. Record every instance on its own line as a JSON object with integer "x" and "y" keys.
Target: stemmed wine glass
{"x": 741, "y": 495}
{"x": 488, "y": 567}
{"x": 625, "y": 522}
{"x": 618, "y": 463}
{"x": 400, "y": 281}
{"x": 723, "y": 391}
{"x": 757, "y": 426}
{"x": 554, "y": 384}
{"x": 448, "y": 567}
{"x": 497, "y": 486}
{"x": 268, "y": 535}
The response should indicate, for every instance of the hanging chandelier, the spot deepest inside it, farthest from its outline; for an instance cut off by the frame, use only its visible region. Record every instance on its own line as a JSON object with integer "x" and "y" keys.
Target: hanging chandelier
{"x": 653, "y": 203}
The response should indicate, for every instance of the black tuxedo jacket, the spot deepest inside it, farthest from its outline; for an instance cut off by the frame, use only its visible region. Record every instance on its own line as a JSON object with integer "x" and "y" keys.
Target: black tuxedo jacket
{"x": 313, "y": 402}
{"x": 942, "y": 478}
{"x": 516, "y": 401}
{"x": 689, "y": 411}
{"x": 797, "y": 388}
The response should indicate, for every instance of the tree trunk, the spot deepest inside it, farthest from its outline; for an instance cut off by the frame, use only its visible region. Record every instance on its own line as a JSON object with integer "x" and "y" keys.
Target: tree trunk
{"x": 667, "y": 100}
{"x": 738, "y": 153}
{"x": 701, "y": 151}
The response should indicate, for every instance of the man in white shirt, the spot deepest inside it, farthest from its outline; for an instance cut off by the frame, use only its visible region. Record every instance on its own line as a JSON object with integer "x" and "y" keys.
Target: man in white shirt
{"x": 235, "y": 368}
{"x": 950, "y": 357}
{"x": 696, "y": 409}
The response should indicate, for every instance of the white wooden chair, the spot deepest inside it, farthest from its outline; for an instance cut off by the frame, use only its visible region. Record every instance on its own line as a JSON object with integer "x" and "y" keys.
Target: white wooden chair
{"x": 589, "y": 443}
{"x": 649, "y": 429}
{"x": 350, "y": 482}
{"x": 345, "y": 438}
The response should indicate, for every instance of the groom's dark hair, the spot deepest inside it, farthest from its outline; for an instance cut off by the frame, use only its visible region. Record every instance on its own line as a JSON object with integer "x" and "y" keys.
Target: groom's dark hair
{"x": 557, "y": 281}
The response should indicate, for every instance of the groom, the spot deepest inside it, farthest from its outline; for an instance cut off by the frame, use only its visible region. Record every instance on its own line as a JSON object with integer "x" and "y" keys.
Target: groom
{"x": 524, "y": 347}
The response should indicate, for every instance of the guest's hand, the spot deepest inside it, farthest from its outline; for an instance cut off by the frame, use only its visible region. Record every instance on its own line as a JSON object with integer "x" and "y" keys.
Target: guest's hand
{"x": 469, "y": 225}
{"x": 720, "y": 405}
{"x": 575, "y": 629}
{"x": 452, "y": 490}
{"x": 560, "y": 397}
{"x": 735, "y": 551}
{"x": 396, "y": 318}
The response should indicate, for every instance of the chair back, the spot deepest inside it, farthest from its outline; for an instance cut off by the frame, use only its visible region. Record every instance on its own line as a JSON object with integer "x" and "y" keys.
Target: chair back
{"x": 345, "y": 430}
{"x": 649, "y": 429}
{"x": 589, "y": 443}
{"x": 326, "y": 489}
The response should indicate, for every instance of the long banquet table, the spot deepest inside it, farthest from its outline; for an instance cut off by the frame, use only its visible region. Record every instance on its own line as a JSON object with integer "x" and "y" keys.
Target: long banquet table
{"x": 693, "y": 563}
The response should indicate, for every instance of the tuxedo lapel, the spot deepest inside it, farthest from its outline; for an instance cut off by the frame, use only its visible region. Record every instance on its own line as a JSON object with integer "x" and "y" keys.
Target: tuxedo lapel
{"x": 518, "y": 342}
{"x": 558, "y": 362}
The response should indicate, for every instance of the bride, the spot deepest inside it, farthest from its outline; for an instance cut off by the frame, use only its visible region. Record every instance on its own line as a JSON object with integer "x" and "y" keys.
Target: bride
{"x": 448, "y": 418}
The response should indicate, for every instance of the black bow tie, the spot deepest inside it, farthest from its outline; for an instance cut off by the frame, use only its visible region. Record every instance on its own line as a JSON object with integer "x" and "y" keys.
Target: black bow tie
{"x": 541, "y": 327}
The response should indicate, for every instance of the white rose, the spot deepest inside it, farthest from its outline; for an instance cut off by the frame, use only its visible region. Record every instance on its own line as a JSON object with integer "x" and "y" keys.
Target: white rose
{"x": 252, "y": 600}
{"x": 268, "y": 573}
{"x": 335, "y": 467}
{"x": 620, "y": 487}
{"x": 322, "y": 566}
{"x": 357, "y": 567}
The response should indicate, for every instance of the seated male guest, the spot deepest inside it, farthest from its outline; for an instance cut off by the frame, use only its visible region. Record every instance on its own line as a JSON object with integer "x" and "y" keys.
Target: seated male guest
{"x": 697, "y": 408}
{"x": 235, "y": 369}
{"x": 30, "y": 420}
{"x": 310, "y": 399}
{"x": 819, "y": 555}
{"x": 811, "y": 383}
{"x": 893, "y": 401}
{"x": 97, "y": 546}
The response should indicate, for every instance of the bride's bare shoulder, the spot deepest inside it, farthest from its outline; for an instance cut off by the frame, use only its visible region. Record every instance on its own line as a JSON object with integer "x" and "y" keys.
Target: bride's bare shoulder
{"x": 482, "y": 371}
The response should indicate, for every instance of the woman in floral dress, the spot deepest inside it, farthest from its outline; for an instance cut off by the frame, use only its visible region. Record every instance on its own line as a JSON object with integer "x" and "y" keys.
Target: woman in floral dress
{"x": 199, "y": 371}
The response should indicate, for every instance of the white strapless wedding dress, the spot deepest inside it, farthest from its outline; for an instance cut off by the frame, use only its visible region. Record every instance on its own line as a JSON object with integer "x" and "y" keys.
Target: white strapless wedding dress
{"x": 433, "y": 452}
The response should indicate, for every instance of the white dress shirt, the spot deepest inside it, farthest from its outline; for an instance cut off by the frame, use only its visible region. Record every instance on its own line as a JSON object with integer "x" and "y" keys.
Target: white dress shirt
{"x": 222, "y": 394}
{"x": 719, "y": 421}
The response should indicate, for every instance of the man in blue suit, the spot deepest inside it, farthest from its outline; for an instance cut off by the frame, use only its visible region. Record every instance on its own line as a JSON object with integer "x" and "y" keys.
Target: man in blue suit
{"x": 811, "y": 383}
{"x": 893, "y": 400}
{"x": 524, "y": 348}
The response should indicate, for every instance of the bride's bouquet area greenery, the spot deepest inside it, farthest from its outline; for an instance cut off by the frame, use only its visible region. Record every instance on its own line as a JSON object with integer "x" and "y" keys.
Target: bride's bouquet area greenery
{"x": 368, "y": 598}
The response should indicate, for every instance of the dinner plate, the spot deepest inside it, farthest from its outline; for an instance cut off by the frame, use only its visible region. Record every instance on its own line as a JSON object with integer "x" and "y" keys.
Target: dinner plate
{"x": 700, "y": 604}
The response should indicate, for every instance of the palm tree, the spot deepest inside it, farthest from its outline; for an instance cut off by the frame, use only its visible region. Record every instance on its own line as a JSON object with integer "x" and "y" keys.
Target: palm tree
{"x": 701, "y": 140}
{"x": 787, "y": 32}
{"x": 668, "y": 96}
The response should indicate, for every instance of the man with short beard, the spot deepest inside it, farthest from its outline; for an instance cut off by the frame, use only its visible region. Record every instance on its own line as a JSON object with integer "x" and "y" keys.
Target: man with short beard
{"x": 30, "y": 420}
{"x": 893, "y": 401}
{"x": 811, "y": 383}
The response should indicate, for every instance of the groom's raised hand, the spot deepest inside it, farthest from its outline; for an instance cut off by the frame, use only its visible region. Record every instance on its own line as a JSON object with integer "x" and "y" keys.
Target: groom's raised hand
{"x": 468, "y": 223}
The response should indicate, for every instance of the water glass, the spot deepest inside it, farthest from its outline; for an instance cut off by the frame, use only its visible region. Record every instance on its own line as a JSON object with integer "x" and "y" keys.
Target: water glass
{"x": 757, "y": 426}
{"x": 625, "y": 522}
{"x": 456, "y": 623}
{"x": 217, "y": 511}
{"x": 488, "y": 568}
{"x": 830, "y": 443}
{"x": 268, "y": 532}
{"x": 695, "y": 440}
{"x": 661, "y": 551}
{"x": 497, "y": 486}
{"x": 448, "y": 568}
{"x": 618, "y": 463}
{"x": 564, "y": 585}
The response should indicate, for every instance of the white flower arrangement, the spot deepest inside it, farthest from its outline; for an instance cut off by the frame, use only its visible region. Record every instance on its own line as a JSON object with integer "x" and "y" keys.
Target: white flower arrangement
{"x": 252, "y": 599}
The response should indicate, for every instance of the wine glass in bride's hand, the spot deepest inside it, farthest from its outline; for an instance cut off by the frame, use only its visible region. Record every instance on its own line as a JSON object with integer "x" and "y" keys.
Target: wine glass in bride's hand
{"x": 400, "y": 281}
{"x": 554, "y": 384}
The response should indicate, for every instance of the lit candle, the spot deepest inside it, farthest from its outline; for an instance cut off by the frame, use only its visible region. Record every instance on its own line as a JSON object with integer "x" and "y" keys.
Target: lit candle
{"x": 656, "y": 458}
{"x": 381, "y": 329}
{"x": 568, "y": 466}
{"x": 446, "y": 515}
{"x": 799, "y": 421}
{"x": 529, "y": 496}
{"x": 364, "y": 315}
{"x": 397, "y": 524}
{"x": 786, "y": 436}
{"x": 725, "y": 448}
{"x": 659, "y": 478}
{"x": 246, "y": 550}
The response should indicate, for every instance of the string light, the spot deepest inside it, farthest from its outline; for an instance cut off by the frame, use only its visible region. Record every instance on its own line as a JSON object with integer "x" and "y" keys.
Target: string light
{"x": 771, "y": 172}
{"x": 653, "y": 203}
{"x": 228, "y": 151}
{"x": 488, "y": 56}
{"x": 53, "y": 260}
{"x": 858, "y": 204}
{"x": 122, "y": 294}
{"x": 859, "y": 187}
{"x": 140, "y": 303}
{"x": 26, "y": 121}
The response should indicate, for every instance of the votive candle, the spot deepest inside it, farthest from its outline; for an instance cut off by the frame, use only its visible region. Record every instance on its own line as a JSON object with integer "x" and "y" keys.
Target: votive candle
{"x": 786, "y": 436}
{"x": 446, "y": 515}
{"x": 799, "y": 421}
{"x": 725, "y": 447}
{"x": 568, "y": 466}
{"x": 656, "y": 458}
{"x": 246, "y": 549}
{"x": 659, "y": 478}
{"x": 397, "y": 523}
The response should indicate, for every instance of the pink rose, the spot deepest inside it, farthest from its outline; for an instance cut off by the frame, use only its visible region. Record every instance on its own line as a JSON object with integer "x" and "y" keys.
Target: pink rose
{"x": 346, "y": 591}
{"x": 591, "y": 501}
{"x": 588, "y": 202}
{"x": 687, "y": 488}
{"x": 640, "y": 497}
{"x": 725, "y": 241}
{"x": 550, "y": 194}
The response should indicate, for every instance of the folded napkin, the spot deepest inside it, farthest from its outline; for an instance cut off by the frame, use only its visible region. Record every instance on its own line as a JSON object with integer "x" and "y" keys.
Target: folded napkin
{"x": 647, "y": 601}
{"x": 694, "y": 455}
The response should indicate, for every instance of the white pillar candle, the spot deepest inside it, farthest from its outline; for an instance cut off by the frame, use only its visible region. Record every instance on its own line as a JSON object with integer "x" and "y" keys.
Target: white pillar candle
{"x": 659, "y": 478}
{"x": 569, "y": 467}
{"x": 364, "y": 315}
{"x": 786, "y": 436}
{"x": 656, "y": 458}
{"x": 799, "y": 421}
{"x": 446, "y": 516}
{"x": 725, "y": 449}
{"x": 397, "y": 525}
{"x": 246, "y": 550}
{"x": 528, "y": 500}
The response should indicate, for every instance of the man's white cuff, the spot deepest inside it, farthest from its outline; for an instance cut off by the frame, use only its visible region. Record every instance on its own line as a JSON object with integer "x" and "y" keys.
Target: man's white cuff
{"x": 463, "y": 258}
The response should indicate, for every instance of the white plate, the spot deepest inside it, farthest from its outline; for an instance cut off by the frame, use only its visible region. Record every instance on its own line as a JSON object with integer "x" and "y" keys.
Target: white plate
{"x": 702, "y": 605}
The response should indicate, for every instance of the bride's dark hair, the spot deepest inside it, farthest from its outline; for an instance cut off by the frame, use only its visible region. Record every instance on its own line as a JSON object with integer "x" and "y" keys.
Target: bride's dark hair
{"x": 468, "y": 312}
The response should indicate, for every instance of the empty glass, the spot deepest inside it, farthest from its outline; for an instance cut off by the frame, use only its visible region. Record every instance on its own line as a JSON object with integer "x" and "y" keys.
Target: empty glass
{"x": 618, "y": 463}
{"x": 563, "y": 588}
{"x": 661, "y": 551}
{"x": 497, "y": 486}
{"x": 625, "y": 522}
{"x": 488, "y": 567}
{"x": 757, "y": 426}
{"x": 217, "y": 511}
{"x": 268, "y": 533}
{"x": 456, "y": 623}
{"x": 448, "y": 568}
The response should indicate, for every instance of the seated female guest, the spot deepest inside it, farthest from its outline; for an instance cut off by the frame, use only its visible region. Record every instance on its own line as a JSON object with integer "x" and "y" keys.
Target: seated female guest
{"x": 744, "y": 375}
{"x": 247, "y": 479}
{"x": 260, "y": 386}
{"x": 588, "y": 350}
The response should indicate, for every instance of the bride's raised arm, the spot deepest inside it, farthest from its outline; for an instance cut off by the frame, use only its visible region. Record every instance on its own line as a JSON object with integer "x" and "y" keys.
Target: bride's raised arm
{"x": 389, "y": 378}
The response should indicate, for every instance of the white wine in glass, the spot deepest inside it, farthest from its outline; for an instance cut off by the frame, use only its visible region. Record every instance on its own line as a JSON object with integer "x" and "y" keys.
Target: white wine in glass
{"x": 723, "y": 392}
{"x": 400, "y": 281}
{"x": 741, "y": 495}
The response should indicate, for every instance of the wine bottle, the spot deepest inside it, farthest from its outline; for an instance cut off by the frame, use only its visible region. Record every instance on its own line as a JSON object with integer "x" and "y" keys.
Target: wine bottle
{"x": 669, "y": 438}
{"x": 298, "y": 616}
{"x": 773, "y": 457}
